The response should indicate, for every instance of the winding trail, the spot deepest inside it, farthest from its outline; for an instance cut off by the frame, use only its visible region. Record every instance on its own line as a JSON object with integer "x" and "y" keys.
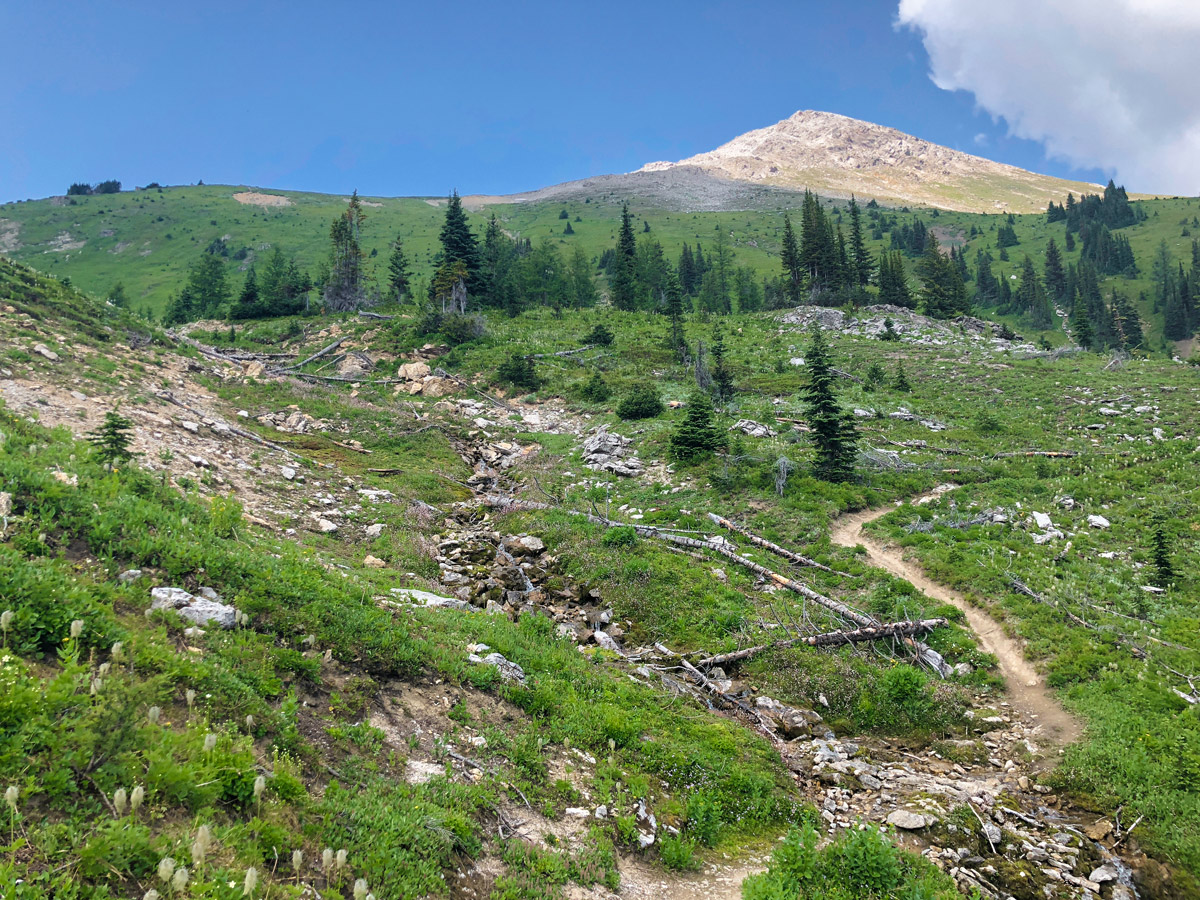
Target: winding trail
{"x": 1027, "y": 689}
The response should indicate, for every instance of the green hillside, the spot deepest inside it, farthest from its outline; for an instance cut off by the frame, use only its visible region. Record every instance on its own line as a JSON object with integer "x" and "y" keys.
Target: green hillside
{"x": 336, "y": 716}
{"x": 146, "y": 239}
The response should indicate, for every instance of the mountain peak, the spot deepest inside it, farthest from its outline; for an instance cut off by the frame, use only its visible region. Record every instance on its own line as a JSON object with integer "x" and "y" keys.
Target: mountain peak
{"x": 837, "y": 156}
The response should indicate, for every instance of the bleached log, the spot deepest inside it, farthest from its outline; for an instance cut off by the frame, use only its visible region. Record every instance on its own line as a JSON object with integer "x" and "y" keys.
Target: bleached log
{"x": 774, "y": 548}
{"x": 830, "y": 639}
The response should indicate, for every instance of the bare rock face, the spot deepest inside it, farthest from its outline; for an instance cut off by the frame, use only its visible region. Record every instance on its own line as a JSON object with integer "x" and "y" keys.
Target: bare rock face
{"x": 752, "y": 428}
{"x": 790, "y": 722}
{"x": 607, "y": 451}
{"x": 907, "y": 820}
{"x": 203, "y": 610}
{"x": 838, "y": 156}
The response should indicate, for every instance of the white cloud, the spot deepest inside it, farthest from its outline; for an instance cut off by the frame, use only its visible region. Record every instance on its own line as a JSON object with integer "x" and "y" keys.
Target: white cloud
{"x": 1110, "y": 84}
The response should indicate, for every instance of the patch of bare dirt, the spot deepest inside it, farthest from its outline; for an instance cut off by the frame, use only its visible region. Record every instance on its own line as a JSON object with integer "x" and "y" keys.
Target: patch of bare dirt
{"x": 1027, "y": 688}
{"x": 254, "y": 198}
{"x": 64, "y": 242}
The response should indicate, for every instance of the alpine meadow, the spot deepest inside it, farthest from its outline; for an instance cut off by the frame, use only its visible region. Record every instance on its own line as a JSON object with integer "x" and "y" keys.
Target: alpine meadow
{"x": 812, "y": 517}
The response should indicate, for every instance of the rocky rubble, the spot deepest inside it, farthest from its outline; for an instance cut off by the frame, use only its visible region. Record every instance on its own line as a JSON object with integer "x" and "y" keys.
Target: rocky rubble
{"x": 981, "y": 818}
{"x": 607, "y": 451}
{"x": 913, "y": 328}
{"x": 292, "y": 421}
{"x": 753, "y": 429}
{"x": 419, "y": 378}
{"x": 206, "y": 609}
{"x": 508, "y": 575}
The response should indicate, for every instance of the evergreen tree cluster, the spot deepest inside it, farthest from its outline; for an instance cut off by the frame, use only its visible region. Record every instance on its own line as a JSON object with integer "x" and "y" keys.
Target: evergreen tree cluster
{"x": 203, "y": 296}
{"x": 515, "y": 275}
{"x": 1111, "y": 209}
{"x": 893, "y": 281}
{"x": 822, "y": 264}
{"x": 910, "y": 237}
{"x": 1178, "y": 293}
{"x": 81, "y": 189}
{"x": 1110, "y": 253}
{"x": 641, "y": 277}
{"x": 943, "y": 292}
{"x": 281, "y": 290}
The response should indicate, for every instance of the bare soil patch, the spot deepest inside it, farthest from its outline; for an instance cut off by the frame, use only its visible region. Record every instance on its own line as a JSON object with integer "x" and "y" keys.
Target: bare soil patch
{"x": 254, "y": 198}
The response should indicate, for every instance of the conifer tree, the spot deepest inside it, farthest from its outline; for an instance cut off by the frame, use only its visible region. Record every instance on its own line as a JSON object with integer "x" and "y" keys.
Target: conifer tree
{"x": 673, "y": 298}
{"x": 344, "y": 290}
{"x": 623, "y": 279}
{"x": 112, "y": 440}
{"x": 580, "y": 274}
{"x": 1081, "y": 327}
{"x": 697, "y": 436}
{"x": 859, "y": 256}
{"x": 116, "y": 295}
{"x": 793, "y": 269}
{"x": 943, "y": 294}
{"x": 1031, "y": 295}
{"x": 247, "y": 305}
{"x": 1127, "y": 323}
{"x": 1175, "y": 317}
{"x": 497, "y": 259}
{"x": 1160, "y": 543}
{"x": 1055, "y": 276}
{"x": 458, "y": 242}
{"x": 722, "y": 386}
{"x": 398, "y": 271}
{"x": 833, "y": 432}
{"x": 900, "y": 380}
{"x": 686, "y": 269}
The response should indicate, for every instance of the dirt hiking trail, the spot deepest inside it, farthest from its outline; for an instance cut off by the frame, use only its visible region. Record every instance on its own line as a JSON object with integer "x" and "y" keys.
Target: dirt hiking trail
{"x": 1027, "y": 689}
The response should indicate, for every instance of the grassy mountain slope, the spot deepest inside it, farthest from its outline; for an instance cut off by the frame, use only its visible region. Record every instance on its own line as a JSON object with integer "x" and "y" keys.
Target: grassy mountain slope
{"x": 350, "y": 693}
{"x": 146, "y": 239}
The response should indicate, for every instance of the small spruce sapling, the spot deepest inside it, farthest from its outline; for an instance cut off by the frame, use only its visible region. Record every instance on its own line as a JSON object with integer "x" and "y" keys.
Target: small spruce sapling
{"x": 876, "y": 377}
{"x": 900, "y": 381}
{"x": 112, "y": 440}
{"x": 595, "y": 389}
{"x": 642, "y": 402}
{"x": 697, "y": 436}
{"x": 1160, "y": 542}
{"x": 519, "y": 371}
{"x": 600, "y": 336}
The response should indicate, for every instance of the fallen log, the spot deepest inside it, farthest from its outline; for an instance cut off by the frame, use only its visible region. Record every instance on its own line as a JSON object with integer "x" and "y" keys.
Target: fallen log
{"x": 927, "y": 655}
{"x": 340, "y": 378}
{"x": 304, "y": 362}
{"x": 233, "y": 429}
{"x": 559, "y": 353}
{"x": 231, "y": 356}
{"x": 1053, "y": 454}
{"x": 774, "y": 548}
{"x": 830, "y": 639}
{"x": 370, "y": 315}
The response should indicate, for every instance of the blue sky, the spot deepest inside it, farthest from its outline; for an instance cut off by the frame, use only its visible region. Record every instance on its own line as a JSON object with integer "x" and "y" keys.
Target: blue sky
{"x": 420, "y": 98}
